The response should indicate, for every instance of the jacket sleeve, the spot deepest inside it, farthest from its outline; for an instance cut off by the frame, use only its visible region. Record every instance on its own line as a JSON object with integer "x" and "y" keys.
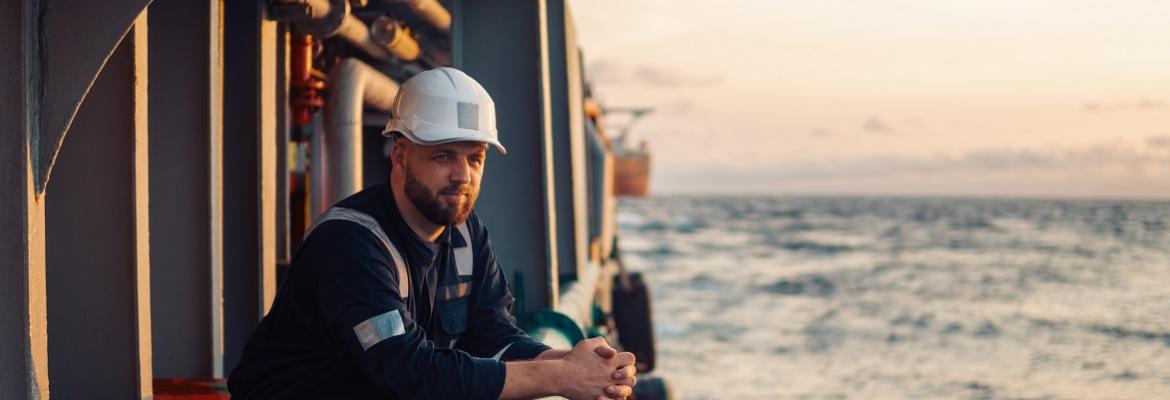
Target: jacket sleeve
{"x": 492, "y": 331}
{"x": 369, "y": 320}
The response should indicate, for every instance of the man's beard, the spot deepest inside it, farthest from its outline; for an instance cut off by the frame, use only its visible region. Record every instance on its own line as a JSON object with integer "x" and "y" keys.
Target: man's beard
{"x": 431, "y": 207}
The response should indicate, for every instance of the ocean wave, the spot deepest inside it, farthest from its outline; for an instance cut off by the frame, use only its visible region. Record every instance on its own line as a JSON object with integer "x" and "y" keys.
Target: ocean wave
{"x": 810, "y": 285}
{"x": 810, "y": 247}
{"x": 859, "y": 298}
{"x": 1121, "y": 332}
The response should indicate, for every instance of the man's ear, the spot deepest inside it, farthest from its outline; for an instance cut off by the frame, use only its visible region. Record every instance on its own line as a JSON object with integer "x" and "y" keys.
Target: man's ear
{"x": 397, "y": 154}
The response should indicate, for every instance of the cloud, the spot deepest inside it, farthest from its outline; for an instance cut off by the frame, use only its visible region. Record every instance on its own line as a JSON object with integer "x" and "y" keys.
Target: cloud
{"x": 1098, "y": 158}
{"x": 873, "y": 125}
{"x": 914, "y": 123}
{"x": 615, "y": 73}
{"x": 605, "y": 71}
{"x": 1158, "y": 141}
{"x": 676, "y": 107}
{"x": 820, "y": 132}
{"x": 1104, "y": 158}
{"x": 662, "y": 77}
{"x": 1148, "y": 104}
{"x": 877, "y": 125}
{"x": 1142, "y": 104}
{"x": 1111, "y": 169}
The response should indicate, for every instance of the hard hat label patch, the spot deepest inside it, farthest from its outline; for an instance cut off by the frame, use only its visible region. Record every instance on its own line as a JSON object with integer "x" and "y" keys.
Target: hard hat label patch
{"x": 468, "y": 115}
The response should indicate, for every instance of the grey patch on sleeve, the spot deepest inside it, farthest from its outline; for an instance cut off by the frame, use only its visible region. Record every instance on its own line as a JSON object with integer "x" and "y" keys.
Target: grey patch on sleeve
{"x": 378, "y": 328}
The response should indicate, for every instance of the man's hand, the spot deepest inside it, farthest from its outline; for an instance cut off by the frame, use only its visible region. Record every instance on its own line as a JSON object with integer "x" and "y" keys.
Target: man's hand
{"x": 597, "y": 371}
{"x": 554, "y": 354}
{"x": 592, "y": 370}
{"x": 625, "y": 374}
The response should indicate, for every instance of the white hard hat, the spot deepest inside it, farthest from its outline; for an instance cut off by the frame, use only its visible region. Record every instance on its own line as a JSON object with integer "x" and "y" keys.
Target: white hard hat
{"x": 444, "y": 105}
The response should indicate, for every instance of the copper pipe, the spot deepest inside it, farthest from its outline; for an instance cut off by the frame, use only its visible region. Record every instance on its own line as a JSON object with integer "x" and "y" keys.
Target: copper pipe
{"x": 304, "y": 99}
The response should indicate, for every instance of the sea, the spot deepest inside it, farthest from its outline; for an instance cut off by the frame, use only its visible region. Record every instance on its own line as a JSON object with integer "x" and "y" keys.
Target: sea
{"x": 905, "y": 298}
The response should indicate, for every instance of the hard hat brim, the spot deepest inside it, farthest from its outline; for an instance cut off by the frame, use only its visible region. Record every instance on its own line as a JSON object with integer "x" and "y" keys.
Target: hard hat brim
{"x": 449, "y": 138}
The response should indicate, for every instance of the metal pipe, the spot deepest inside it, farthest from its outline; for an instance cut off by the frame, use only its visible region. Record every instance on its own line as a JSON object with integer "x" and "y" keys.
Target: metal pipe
{"x": 329, "y": 18}
{"x": 352, "y": 84}
{"x": 430, "y": 11}
{"x": 355, "y": 32}
{"x": 317, "y": 204}
{"x": 395, "y": 38}
{"x": 319, "y": 18}
{"x": 318, "y": 9}
{"x": 304, "y": 98}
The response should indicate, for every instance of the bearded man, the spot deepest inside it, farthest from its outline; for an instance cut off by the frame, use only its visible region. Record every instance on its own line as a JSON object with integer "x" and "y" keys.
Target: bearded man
{"x": 396, "y": 294}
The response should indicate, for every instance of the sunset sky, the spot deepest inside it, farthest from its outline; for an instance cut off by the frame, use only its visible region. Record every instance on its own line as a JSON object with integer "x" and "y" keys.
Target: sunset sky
{"x": 915, "y": 97}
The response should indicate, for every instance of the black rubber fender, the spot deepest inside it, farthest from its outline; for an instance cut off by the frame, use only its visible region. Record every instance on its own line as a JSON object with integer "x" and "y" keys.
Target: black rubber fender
{"x": 632, "y": 313}
{"x": 651, "y": 388}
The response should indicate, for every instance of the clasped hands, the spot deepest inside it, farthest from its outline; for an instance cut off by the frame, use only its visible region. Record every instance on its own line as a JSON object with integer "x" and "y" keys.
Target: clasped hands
{"x": 598, "y": 372}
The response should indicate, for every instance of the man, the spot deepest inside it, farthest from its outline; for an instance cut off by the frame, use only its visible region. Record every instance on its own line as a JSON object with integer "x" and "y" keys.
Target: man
{"x": 395, "y": 293}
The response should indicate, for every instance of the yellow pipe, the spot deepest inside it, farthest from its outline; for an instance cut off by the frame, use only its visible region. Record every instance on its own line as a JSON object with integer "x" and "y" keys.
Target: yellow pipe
{"x": 395, "y": 38}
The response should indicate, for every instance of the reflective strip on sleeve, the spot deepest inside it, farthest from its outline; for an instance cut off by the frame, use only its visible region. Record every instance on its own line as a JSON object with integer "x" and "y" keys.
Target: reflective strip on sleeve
{"x": 368, "y": 222}
{"x": 378, "y": 328}
{"x": 464, "y": 260}
{"x": 502, "y": 351}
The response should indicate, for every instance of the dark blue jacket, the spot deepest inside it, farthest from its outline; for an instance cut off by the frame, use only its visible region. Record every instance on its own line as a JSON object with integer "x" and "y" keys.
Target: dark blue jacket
{"x": 307, "y": 346}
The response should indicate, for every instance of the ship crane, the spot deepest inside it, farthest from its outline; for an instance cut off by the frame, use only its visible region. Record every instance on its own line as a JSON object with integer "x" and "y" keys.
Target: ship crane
{"x": 636, "y": 114}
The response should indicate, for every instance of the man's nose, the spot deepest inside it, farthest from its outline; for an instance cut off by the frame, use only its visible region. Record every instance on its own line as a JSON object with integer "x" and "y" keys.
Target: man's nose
{"x": 461, "y": 173}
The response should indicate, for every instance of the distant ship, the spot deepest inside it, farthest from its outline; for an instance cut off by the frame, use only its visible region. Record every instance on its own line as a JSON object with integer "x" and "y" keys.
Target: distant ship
{"x": 631, "y": 170}
{"x": 631, "y": 164}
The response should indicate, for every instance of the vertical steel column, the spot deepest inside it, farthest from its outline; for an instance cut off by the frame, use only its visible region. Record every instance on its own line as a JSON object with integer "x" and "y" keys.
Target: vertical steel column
{"x": 568, "y": 140}
{"x": 97, "y": 230}
{"x": 215, "y": 183}
{"x": 511, "y": 60}
{"x": 575, "y": 93}
{"x": 249, "y": 237}
{"x": 24, "y": 351}
{"x": 141, "y": 203}
{"x": 185, "y": 104}
{"x": 283, "y": 132}
{"x": 269, "y": 102}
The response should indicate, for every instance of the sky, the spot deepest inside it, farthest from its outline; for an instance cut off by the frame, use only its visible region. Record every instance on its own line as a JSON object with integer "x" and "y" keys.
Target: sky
{"x": 895, "y": 97}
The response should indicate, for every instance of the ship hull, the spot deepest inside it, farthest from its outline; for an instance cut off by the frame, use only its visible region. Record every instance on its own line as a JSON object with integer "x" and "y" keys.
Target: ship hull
{"x": 632, "y": 174}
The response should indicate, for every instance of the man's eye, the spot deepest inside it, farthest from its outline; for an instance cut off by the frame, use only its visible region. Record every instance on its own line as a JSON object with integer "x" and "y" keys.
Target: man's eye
{"x": 443, "y": 157}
